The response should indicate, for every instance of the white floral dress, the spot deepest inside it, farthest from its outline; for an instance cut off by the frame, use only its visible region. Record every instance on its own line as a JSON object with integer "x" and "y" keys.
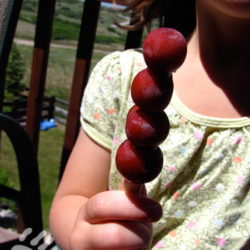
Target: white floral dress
{"x": 204, "y": 184}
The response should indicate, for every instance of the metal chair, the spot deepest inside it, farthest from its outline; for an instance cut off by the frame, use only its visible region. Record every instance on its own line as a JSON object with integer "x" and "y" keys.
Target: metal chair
{"x": 28, "y": 197}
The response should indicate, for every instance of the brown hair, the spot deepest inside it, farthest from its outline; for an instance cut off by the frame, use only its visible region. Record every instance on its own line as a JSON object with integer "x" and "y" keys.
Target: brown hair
{"x": 178, "y": 14}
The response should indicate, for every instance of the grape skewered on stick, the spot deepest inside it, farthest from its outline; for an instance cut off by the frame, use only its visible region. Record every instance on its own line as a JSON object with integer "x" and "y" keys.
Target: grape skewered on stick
{"x": 139, "y": 158}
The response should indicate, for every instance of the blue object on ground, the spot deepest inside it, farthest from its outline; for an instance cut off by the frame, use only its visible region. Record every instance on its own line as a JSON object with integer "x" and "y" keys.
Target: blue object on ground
{"x": 45, "y": 125}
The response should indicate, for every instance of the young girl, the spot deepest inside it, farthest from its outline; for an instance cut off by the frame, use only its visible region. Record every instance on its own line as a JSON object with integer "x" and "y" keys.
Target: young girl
{"x": 201, "y": 198}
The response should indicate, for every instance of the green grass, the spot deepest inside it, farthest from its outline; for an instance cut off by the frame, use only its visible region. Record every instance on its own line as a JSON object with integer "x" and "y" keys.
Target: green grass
{"x": 8, "y": 163}
{"x": 60, "y": 68}
{"x": 50, "y": 149}
{"x": 49, "y": 157}
{"x": 65, "y": 30}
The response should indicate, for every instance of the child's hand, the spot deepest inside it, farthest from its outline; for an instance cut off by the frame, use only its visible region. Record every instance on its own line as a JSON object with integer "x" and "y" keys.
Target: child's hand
{"x": 115, "y": 220}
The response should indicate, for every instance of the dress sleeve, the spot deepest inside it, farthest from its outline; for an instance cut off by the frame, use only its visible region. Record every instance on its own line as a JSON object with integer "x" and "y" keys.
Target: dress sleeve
{"x": 101, "y": 101}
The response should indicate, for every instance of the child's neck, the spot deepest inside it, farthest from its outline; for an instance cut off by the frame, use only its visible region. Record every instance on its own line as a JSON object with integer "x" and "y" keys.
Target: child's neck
{"x": 217, "y": 68}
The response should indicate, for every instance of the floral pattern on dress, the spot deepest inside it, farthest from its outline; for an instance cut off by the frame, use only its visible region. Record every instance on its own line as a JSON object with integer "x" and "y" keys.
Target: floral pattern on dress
{"x": 204, "y": 185}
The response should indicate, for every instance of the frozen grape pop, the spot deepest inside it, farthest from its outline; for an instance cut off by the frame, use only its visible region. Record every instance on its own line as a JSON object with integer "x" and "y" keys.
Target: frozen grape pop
{"x": 139, "y": 158}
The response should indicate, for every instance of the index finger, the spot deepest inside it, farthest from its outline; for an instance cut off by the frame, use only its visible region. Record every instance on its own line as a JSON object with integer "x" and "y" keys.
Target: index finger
{"x": 118, "y": 205}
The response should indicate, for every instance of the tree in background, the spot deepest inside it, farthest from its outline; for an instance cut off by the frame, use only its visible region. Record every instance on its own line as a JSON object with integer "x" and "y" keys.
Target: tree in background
{"x": 14, "y": 75}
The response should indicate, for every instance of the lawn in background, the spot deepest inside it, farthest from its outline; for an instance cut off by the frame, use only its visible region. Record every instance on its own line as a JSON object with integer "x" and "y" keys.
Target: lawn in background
{"x": 60, "y": 68}
{"x": 49, "y": 156}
